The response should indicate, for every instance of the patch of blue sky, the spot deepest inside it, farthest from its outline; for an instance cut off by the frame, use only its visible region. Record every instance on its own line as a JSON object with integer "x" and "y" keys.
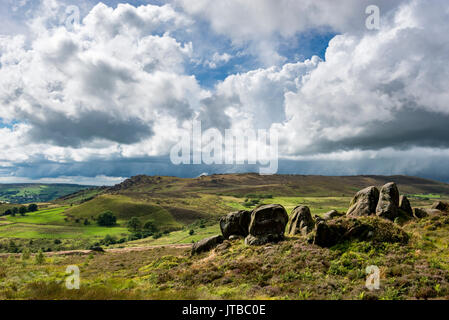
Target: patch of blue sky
{"x": 299, "y": 48}
{"x": 306, "y": 45}
{"x": 7, "y": 124}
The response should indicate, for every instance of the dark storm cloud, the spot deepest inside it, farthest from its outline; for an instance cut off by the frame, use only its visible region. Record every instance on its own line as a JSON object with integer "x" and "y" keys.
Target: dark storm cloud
{"x": 411, "y": 127}
{"x": 61, "y": 130}
{"x": 422, "y": 166}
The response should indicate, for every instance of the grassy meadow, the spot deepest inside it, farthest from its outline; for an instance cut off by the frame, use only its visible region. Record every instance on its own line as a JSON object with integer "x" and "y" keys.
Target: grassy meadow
{"x": 187, "y": 210}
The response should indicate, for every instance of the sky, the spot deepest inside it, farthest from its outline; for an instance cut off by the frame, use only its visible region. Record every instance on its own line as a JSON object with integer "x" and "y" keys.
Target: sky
{"x": 95, "y": 92}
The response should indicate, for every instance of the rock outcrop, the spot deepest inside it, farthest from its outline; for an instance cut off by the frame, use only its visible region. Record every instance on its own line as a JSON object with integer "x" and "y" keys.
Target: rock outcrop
{"x": 267, "y": 224}
{"x": 364, "y": 202}
{"x": 419, "y": 213}
{"x": 422, "y": 213}
{"x": 440, "y": 206}
{"x": 301, "y": 221}
{"x": 332, "y": 214}
{"x": 388, "y": 205}
{"x": 235, "y": 224}
{"x": 374, "y": 229}
{"x": 405, "y": 207}
{"x": 207, "y": 244}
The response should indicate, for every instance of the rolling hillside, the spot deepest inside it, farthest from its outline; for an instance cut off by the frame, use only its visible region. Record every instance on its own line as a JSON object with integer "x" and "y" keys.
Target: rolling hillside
{"x": 27, "y": 193}
{"x": 187, "y": 210}
{"x": 173, "y": 202}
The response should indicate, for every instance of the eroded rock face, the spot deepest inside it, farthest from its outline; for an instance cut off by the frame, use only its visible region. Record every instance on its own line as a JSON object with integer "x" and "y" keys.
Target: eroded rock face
{"x": 235, "y": 224}
{"x": 374, "y": 229}
{"x": 388, "y": 205}
{"x": 301, "y": 221}
{"x": 267, "y": 224}
{"x": 405, "y": 206}
{"x": 364, "y": 202}
{"x": 332, "y": 214}
{"x": 207, "y": 244}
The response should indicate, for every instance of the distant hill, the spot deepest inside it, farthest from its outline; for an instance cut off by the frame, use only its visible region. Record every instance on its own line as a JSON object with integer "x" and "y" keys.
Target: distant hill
{"x": 241, "y": 185}
{"x": 27, "y": 193}
{"x": 170, "y": 201}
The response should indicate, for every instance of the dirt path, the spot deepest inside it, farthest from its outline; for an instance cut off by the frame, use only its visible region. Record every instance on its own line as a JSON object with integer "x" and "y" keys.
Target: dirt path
{"x": 114, "y": 250}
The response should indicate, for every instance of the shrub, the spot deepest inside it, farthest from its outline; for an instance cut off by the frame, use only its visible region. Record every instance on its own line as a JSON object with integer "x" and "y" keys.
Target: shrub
{"x": 150, "y": 226}
{"x": 146, "y": 234}
{"x": 108, "y": 240}
{"x": 191, "y": 232}
{"x": 57, "y": 241}
{"x": 26, "y": 254}
{"x": 107, "y": 219}
{"x": 39, "y": 258}
{"x": 133, "y": 237}
{"x": 157, "y": 235}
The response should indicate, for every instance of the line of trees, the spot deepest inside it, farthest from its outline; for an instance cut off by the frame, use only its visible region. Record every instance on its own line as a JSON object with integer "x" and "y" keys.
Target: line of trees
{"x": 22, "y": 210}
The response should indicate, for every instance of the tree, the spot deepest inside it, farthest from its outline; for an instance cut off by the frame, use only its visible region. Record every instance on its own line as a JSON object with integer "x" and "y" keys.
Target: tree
{"x": 32, "y": 207}
{"x": 15, "y": 210}
{"x": 134, "y": 224}
{"x": 107, "y": 219}
{"x": 150, "y": 227}
{"x": 22, "y": 211}
{"x": 191, "y": 232}
{"x": 8, "y": 212}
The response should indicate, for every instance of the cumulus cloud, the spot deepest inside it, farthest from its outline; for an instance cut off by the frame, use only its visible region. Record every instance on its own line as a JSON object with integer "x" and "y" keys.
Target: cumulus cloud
{"x": 263, "y": 24}
{"x": 377, "y": 89}
{"x": 112, "y": 94}
{"x": 110, "y": 78}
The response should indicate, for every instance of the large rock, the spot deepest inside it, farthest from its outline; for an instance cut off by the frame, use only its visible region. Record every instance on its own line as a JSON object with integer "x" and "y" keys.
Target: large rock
{"x": 388, "y": 205}
{"x": 267, "y": 224}
{"x": 440, "y": 206}
{"x": 364, "y": 202}
{"x": 332, "y": 214}
{"x": 373, "y": 229}
{"x": 301, "y": 221}
{"x": 235, "y": 224}
{"x": 327, "y": 235}
{"x": 405, "y": 207}
{"x": 419, "y": 213}
{"x": 422, "y": 213}
{"x": 207, "y": 244}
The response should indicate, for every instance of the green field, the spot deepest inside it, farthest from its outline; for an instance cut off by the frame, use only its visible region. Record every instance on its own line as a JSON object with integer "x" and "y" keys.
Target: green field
{"x": 52, "y": 224}
{"x": 124, "y": 208}
{"x": 159, "y": 266}
{"x": 27, "y": 193}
